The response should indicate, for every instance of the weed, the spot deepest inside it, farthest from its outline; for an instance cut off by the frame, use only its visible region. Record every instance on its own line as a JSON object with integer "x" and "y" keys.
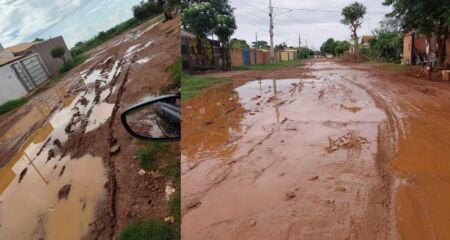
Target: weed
{"x": 147, "y": 229}
{"x": 175, "y": 76}
{"x": 148, "y": 155}
{"x": 13, "y": 104}
{"x": 192, "y": 84}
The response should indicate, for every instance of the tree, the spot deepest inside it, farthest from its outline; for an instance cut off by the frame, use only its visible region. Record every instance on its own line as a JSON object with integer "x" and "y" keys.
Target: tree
{"x": 38, "y": 40}
{"x": 59, "y": 52}
{"x": 386, "y": 45}
{"x": 238, "y": 43}
{"x": 353, "y": 15}
{"x": 200, "y": 19}
{"x": 340, "y": 47}
{"x": 280, "y": 46}
{"x": 260, "y": 44}
{"x": 169, "y": 6}
{"x": 226, "y": 25}
{"x": 328, "y": 46}
{"x": 146, "y": 9}
{"x": 426, "y": 17}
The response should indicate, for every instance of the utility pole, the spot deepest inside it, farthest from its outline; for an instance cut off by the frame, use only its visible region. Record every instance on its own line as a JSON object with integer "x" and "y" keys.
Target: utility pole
{"x": 306, "y": 40}
{"x": 299, "y": 41}
{"x": 272, "y": 54}
{"x": 256, "y": 41}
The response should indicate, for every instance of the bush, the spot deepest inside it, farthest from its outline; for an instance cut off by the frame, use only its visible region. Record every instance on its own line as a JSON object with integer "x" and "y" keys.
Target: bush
{"x": 73, "y": 62}
{"x": 146, "y": 9}
{"x": 13, "y": 104}
{"x": 147, "y": 229}
{"x": 175, "y": 75}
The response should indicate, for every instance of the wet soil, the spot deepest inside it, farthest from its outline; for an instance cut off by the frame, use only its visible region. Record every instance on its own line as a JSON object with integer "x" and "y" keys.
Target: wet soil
{"x": 321, "y": 151}
{"x": 63, "y": 138}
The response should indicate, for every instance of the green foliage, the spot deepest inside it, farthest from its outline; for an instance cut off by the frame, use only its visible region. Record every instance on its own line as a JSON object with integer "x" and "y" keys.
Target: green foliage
{"x": 336, "y": 48}
{"x": 280, "y": 46}
{"x": 386, "y": 46}
{"x": 260, "y": 44}
{"x": 238, "y": 43}
{"x": 146, "y": 9}
{"x": 328, "y": 46}
{"x": 353, "y": 15}
{"x": 191, "y": 85}
{"x": 175, "y": 75}
{"x": 200, "y": 19}
{"x": 341, "y": 47}
{"x": 147, "y": 229}
{"x": 73, "y": 62}
{"x": 226, "y": 25}
{"x": 13, "y": 104}
{"x": 148, "y": 155}
{"x": 38, "y": 40}
{"x": 58, "y": 52}
{"x": 304, "y": 52}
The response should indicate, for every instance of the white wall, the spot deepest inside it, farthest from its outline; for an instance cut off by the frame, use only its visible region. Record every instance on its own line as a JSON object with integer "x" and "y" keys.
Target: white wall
{"x": 10, "y": 86}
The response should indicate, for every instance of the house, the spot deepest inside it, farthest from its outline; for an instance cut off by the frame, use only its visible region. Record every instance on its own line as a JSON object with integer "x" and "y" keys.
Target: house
{"x": 287, "y": 54}
{"x": 418, "y": 49}
{"x": 199, "y": 55}
{"x": 25, "y": 66}
{"x": 365, "y": 41}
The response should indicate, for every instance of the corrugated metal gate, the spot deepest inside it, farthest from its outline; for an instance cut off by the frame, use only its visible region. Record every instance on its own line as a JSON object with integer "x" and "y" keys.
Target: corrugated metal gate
{"x": 246, "y": 56}
{"x": 30, "y": 71}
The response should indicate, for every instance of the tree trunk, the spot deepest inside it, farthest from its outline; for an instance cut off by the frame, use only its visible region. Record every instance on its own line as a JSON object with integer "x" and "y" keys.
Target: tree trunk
{"x": 355, "y": 38}
{"x": 439, "y": 52}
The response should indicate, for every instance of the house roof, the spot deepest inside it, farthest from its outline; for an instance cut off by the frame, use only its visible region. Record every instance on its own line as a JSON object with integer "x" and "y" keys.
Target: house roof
{"x": 365, "y": 39}
{"x": 22, "y": 47}
{"x": 8, "y": 60}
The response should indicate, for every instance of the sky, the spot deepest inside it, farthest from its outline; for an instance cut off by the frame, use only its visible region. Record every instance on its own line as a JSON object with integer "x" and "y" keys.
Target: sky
{"x": 314, "y": 27}
{"x": 76, "y": 20}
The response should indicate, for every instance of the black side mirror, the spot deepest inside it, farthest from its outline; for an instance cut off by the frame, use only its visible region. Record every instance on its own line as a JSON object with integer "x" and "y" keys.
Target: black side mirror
{"x": 158, "y": 119}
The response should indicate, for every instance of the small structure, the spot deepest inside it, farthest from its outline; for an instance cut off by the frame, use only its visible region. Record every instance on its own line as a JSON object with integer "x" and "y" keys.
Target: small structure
{"x": 25, "y": 66}
{"x": 287, "y": 54}
{"x": 204, "y": 54}
{"x": 418, "y": 49}
{"x": 365, "y": 41}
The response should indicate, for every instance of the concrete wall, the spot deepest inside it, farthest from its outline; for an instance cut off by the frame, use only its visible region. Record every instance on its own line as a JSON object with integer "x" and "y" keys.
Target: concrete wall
{"x": 10, "y": 86}
{"x": 44, "y": 49}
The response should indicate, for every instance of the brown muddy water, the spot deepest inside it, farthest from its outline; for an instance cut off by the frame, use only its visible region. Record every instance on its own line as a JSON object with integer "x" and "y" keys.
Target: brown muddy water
{"x": 278, "y": 159}
{"x": 29, "y": 204}
{"x": 345, "y": 154}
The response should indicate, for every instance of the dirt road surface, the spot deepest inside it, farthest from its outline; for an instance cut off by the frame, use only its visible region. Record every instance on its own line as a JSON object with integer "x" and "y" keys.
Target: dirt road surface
{"x": 321, "y": 151}
{"x": 59, "y": 179}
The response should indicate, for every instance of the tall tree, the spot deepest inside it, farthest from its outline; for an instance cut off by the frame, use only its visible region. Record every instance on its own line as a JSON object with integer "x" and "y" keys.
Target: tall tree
{"x": 260, "y": 44}
{"x": 226, "y": 25}
{"x": 328, "y": 46}
{"x": 353, "y": 15}
{"x": 200, "y": 19}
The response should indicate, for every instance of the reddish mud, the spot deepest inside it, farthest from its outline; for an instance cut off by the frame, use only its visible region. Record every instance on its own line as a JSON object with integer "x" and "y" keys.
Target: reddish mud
{"x": 74, "y": 188}
{"x": 323, "y": 151}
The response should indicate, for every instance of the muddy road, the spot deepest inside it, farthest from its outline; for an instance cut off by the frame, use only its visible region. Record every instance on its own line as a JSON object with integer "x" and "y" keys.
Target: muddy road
{"x": 321, "y": 151}
{"x": 68, "y": 168}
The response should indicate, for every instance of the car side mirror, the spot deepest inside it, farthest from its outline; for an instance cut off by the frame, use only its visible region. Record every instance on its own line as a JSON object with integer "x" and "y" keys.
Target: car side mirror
{"x": 158, "y": 119}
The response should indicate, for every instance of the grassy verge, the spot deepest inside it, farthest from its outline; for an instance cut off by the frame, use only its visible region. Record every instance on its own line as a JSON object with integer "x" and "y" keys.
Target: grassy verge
{"x": 175, "y": 76}
{"x": 163, "y": 157}
{"x": 193, "y": 84}
{"x": 103, "y": 36}
{"x": 13, "y": 104}
{"x": 269, "y": 66}
{"x": 147, "y": 229}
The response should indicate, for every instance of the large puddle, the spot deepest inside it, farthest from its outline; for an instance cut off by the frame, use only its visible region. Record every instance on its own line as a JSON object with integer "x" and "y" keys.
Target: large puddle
{"x": 274, "y": 159}
{"x": 30, "y": 203}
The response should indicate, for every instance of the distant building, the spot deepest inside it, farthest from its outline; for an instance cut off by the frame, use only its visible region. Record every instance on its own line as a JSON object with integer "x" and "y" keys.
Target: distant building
{"x": 25, "y": 66}
{"x": 365, "y": 41}
{"x": 287, "y": 54}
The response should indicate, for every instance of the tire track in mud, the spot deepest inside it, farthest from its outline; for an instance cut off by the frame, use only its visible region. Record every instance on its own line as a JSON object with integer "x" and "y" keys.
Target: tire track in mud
{"x": 112, "y": 141}
{"x": 379, "y": 218}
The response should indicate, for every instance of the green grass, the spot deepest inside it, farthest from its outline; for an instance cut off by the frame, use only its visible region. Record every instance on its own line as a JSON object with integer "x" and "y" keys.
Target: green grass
{"x": 149, "y": 154}
{"x": 193, "y": 84}
{"x": 175, "y": 76}
{"x": 103, "y": 36}
{"x": 147, "y": 229}
{"x": 73, "y": 62}
{"x": 13, "y": 104}
{"x": 173, "y": 170}
{"x": 269, "y": 66}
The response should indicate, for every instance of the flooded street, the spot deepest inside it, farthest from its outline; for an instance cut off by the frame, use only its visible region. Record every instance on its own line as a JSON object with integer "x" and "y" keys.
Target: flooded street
{"x": 321, "y": 151}
{"x": 58, "y": 178}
